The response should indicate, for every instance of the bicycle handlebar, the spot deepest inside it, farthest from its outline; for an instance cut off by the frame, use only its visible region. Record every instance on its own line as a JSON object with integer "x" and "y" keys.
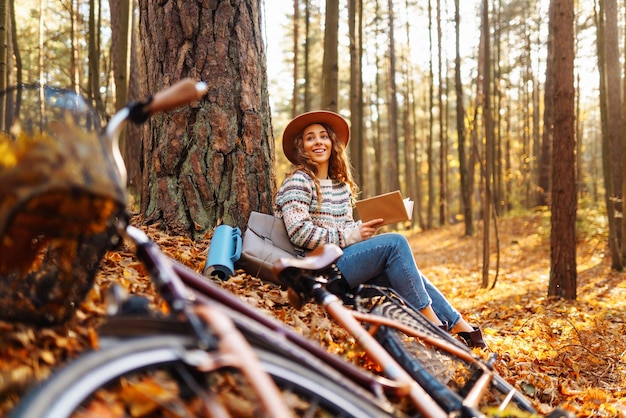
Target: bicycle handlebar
{"x": 180, "y": 93}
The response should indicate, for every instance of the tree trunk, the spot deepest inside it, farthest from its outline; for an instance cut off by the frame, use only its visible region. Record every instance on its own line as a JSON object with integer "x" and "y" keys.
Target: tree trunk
{"x": 443, "y": 141}
{"x": 614, "y": 103}
{"x": 614, "y": 111}
{"x": 466, "y": 196}
{"x": 545, "y": 153}
{"x": 307, "y": 51}
{"x": 41, "y": 37}
{"x": 489, "y": 139}
{"x": 412, "y": 176}
{"x": 392, "y": 117}
{"x": 330, "y": 66}
{"x": 121, "y": 47}
{"x": 211, "y": 163}
{"x": 4, "y": 38}
{"x": 15, "y": 47}
{"x": 74, "y": 53}
{"x": 623, "y": 146}
{"x": 377, "y": 136}
{"x": 563, "y": 219}
{"x": 357, "y": 149}
{"x": 93, "y": 77}
{"x": 133, "y": 149}
{"x": 498, "y": 81}
{"x": 607, "y": 169}
{"x": 14, "y": 60}
{"x": 296, "y": 57}
{"x": 121, "y": 56}
{"x": 430, "y": 158}
{"x": 536, "y": 139}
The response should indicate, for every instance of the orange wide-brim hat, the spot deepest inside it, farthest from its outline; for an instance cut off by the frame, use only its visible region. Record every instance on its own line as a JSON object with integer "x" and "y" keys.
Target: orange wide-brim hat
{"x": 335, "y": 121}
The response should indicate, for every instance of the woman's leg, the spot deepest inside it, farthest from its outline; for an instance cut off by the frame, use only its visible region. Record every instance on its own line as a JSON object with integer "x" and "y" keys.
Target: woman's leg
{"x": 391, "y": 255}
{"x": 383, "y": 281}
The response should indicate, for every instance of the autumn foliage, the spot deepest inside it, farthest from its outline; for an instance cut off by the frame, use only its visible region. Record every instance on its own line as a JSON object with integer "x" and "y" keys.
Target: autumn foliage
{"x": 568, "y": 353}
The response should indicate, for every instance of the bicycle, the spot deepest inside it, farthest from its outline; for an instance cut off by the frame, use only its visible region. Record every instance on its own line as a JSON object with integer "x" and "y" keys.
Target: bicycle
{"x": 209, "y": 356}
{"x": 458, "y": 381}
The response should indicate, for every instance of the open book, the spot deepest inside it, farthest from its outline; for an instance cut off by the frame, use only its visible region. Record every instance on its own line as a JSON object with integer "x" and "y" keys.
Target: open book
{"x": 389, "y": 206}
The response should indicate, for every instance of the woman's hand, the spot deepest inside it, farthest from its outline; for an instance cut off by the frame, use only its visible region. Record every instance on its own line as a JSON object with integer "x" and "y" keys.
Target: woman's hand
{"x": 369, "y": 228}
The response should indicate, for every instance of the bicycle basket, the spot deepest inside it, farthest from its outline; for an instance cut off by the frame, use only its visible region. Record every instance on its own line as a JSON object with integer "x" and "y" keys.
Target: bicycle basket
{"x": 60, "y": 199}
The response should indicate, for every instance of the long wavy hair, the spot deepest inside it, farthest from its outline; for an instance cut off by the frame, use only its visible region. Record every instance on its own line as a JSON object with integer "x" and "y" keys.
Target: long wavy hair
{"x": 338, "y": 165}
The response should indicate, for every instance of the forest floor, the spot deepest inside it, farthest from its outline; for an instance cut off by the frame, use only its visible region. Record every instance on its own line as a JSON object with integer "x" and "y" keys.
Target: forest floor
{"x": 558, "y": 352}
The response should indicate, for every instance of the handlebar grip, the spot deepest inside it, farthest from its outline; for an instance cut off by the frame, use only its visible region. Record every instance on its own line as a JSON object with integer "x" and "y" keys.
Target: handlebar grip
{"x": 178, "y": 94}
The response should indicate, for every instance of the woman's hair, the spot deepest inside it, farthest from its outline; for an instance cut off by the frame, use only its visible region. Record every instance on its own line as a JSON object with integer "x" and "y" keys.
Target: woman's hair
{"x": 338, "y": 166}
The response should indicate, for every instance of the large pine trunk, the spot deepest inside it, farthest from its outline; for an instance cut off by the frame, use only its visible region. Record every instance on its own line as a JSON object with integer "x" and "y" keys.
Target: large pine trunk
{"x": 563, "y": 202}
{"x": 210, "y": 163}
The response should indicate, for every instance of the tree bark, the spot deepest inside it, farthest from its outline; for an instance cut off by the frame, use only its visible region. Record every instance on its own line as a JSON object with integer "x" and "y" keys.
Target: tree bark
{"x": 430, "y": 158}
{"x": 14, "y": 45}
{"x": 93, "y": 77}
{"x": 392, "y": 144}
{"x": 410, "y": 166}
{"x": 308, "y": 96}
{"x": 74, "y": 55}
{"x": 211, "y": 163}
{"x": 377, "y": 140}
{"x": 122, "y": 49}
{"x": 466, "y": 196}
{"x": 489, "y": 139}
{"x": 296, "y": 57}
{"x": 133, "y": 149}
{"x": 563, "y": 219}
{"x": 607, "y": 169}
{"x": 614, "y": 109}
{"x": 357, "y": 153}
{"x": 545, "y": 153}
{"x": 4, "y": 38}
{"x": 330, "y": 66}
{"x": 443, "y": 140}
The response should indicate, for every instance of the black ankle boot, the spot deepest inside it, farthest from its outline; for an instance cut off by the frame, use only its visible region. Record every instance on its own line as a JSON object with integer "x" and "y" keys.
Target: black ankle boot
{"x": 473, "y": 338}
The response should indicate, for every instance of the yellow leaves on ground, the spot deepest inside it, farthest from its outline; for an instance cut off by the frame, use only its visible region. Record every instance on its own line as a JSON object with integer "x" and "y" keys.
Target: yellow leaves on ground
{"x": 568, "y": 353}
{"x": 558, "y": 352}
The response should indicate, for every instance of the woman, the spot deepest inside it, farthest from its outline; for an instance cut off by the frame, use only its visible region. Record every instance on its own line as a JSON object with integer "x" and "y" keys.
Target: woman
{"x": 315, "y": 202}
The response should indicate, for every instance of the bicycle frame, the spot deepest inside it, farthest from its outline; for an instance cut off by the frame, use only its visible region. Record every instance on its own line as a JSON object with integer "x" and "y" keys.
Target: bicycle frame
{"x": 353, "y": 321}
{"x": 311, "y": 275}
{"x": 397, "y": 382}
{"x": 209, "y": 293}
{"x": 188, "y": 292}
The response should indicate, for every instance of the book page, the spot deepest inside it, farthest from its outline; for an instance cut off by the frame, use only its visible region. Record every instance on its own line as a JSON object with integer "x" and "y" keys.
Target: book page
{"x": 389, "y": 206}
{"x": 408, "y": 204}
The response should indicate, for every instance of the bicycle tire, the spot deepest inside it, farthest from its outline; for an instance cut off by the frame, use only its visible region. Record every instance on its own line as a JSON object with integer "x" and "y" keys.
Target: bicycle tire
{"x": 69, "y": 388}
{"x": 437, "y": 370}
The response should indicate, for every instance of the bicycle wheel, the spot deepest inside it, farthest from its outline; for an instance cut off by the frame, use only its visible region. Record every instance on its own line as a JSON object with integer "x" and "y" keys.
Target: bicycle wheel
{"x": 445, "y": 376}
{"x": 155, "y": 375}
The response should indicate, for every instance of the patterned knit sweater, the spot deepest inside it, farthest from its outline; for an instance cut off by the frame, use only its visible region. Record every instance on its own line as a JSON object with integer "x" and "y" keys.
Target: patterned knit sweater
{"x": 310, "y": 224}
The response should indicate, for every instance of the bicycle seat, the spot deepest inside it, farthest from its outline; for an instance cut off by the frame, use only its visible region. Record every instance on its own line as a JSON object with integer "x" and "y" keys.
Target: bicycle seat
{"x": 319, "y": 259}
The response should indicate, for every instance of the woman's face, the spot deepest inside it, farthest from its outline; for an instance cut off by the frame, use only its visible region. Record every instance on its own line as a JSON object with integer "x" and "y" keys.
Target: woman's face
{"x": 317, "y": 143}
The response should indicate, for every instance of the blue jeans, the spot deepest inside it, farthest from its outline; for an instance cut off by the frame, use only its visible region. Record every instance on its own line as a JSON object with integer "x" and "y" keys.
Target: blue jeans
{"x": 387, "y": 259}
